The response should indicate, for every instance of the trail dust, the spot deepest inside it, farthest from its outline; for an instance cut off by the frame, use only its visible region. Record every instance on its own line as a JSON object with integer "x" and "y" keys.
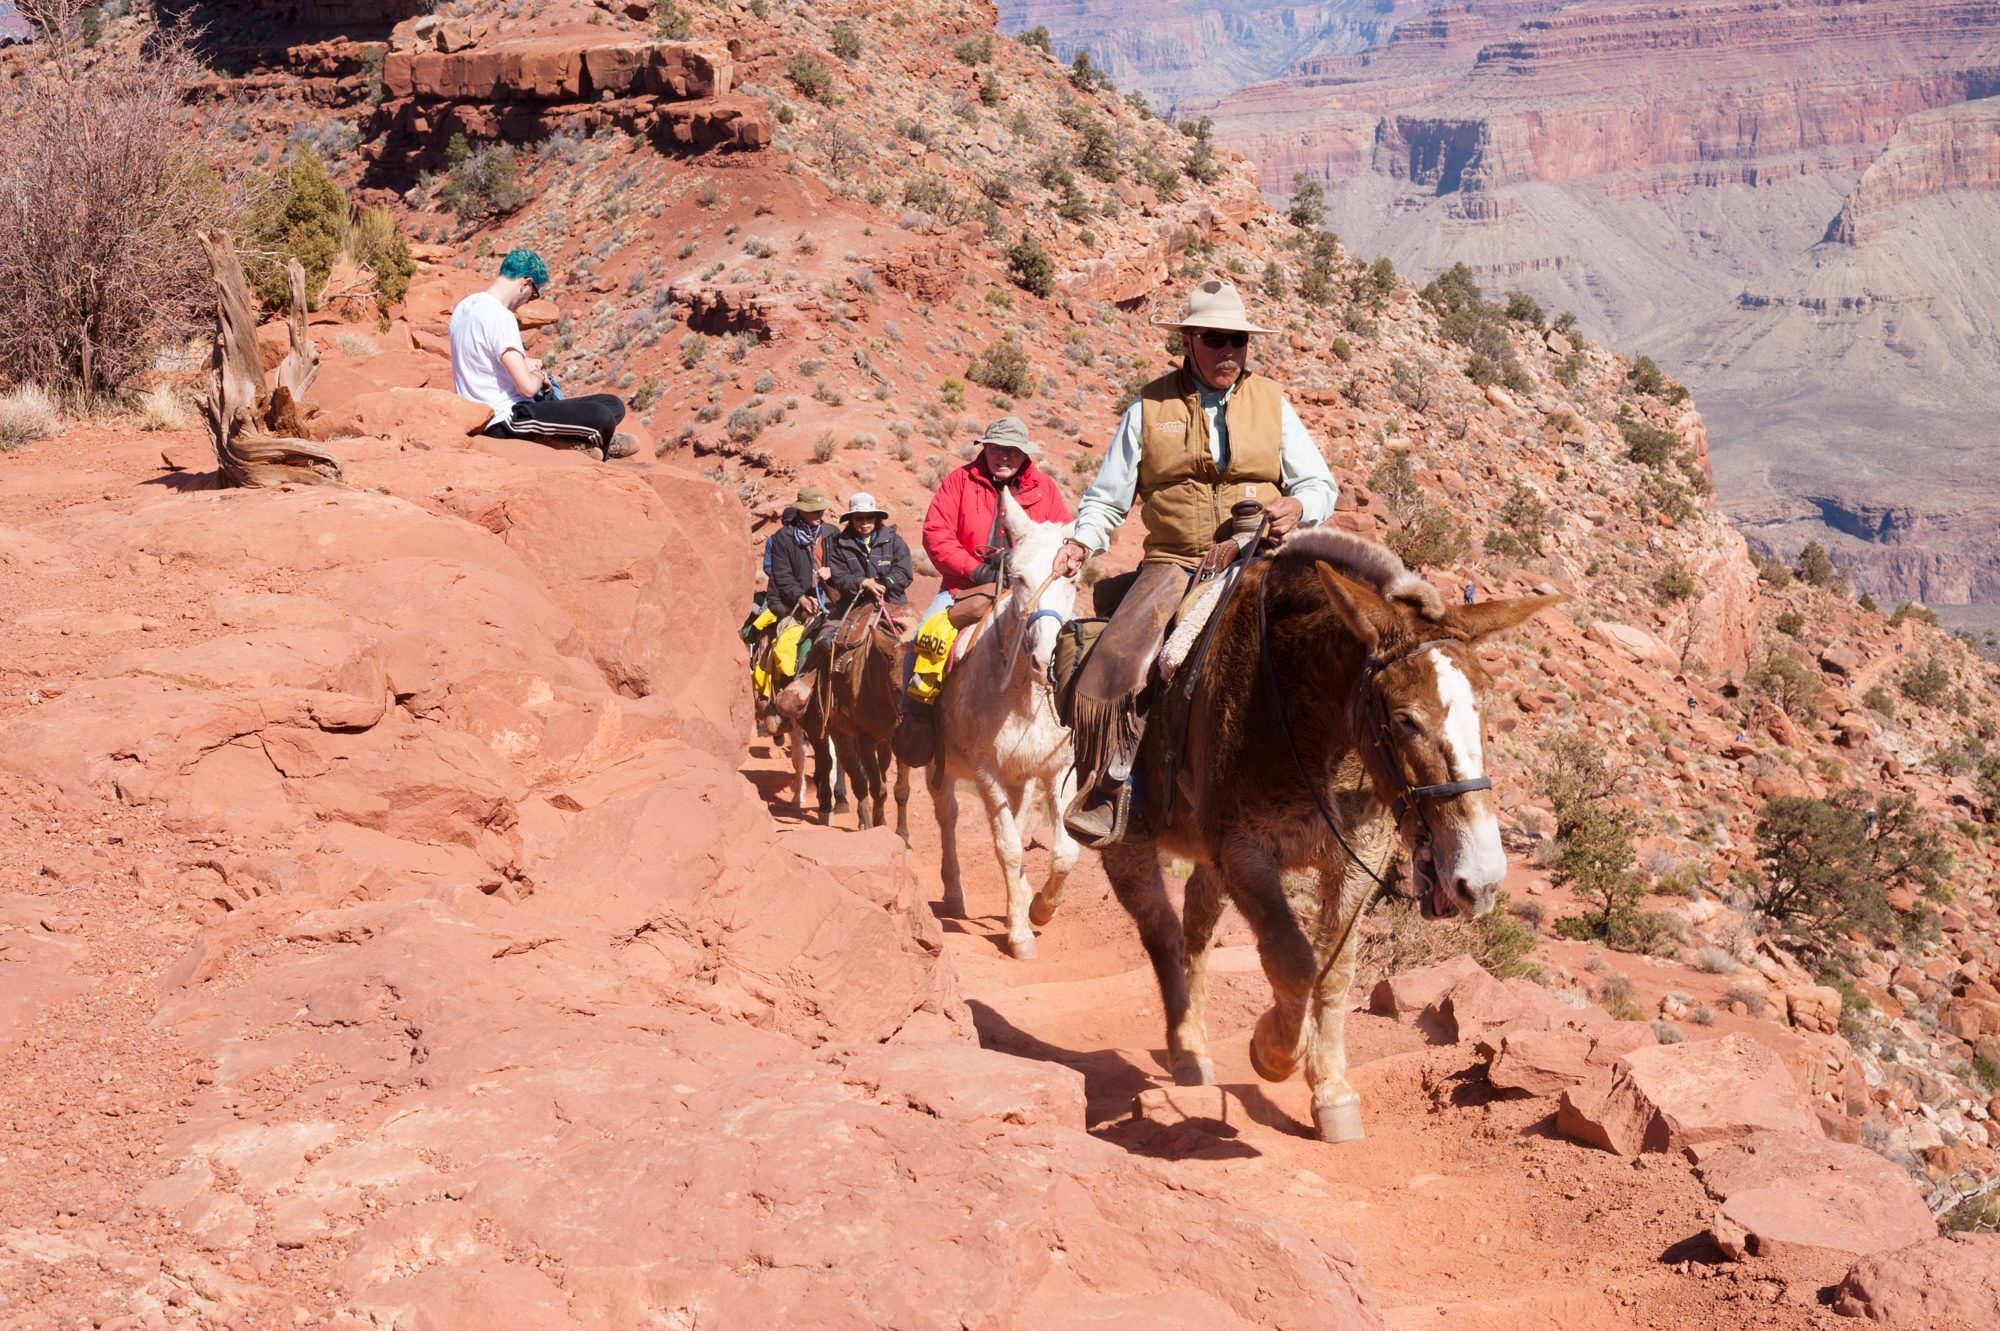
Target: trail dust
{"x": 1467, "y": 1209}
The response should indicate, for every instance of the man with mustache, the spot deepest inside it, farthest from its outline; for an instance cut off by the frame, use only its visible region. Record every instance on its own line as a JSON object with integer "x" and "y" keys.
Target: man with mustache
{"x": 1202, "y": 438}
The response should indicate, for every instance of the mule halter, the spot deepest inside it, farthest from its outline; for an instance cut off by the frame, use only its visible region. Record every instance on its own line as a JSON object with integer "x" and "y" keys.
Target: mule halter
{"x": 1408, "y": 798}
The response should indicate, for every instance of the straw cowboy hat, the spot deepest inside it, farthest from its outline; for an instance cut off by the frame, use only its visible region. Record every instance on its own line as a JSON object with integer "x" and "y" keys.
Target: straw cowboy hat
{"x": 1214, "y": 304}
{"x": 811, "y": 499}
{"x": 1009, "y": 432}
{"x": 863, "y": 505}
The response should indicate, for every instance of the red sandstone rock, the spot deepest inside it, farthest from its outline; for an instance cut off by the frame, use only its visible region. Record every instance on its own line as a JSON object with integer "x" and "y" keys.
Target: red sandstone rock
{"x": 1950, "y": 1280}
{"x": 430, "y": 417}
{"x": 1814, "y": 1008}
{"x": 1674, "y": 1096}
{"x": 1793, "y": 1189}
{"x": 1546, "y": 1062}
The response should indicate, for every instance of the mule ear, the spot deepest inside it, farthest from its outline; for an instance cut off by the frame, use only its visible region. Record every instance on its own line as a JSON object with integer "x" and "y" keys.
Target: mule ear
{"x": 1489, "y": 617}
{"x": 1366, "y": 614}
{"x": 1019, "y": 524}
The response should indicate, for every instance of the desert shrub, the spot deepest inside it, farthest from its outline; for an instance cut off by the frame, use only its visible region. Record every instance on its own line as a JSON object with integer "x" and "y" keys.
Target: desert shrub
{"x": 358, "y": 345}
{"x": 974, "y": 51}
{"x": 1714, "y": 961}
{"x": 1031, "y": 266}
{"x": 1666, "y": 1032}
{"x": 1751, "y": 997}
{"x": 370, "y": 238}
{"x": 1789, "y": 682}
{"x": 1986, "y": 1071}
{"x": 104, "y": 187}
{"x": 1911, "y": 610}
{"x": 1675, "y": 583}
{"x": 302, "y": 217}
{"x": 1704, "y": 1015}
{"x": 1816, "y": 566}
{"x": 672, "y": 23}
{"x": 1522, "y": 518}
{"x": 1085, "y": 75}
{"x": 1307, "y": 209}
{"x": 483, "y": 182}
{"x": 1482, "y": 369}
{"x": 1395, "y": 937}
{"x": 1434, "y": 539}
{"x": 27, "y": 413}
{"x": 1201, "y": 163}
{"x": 1826, "y": 867}
{"x": 1037, "y": 37}
{"x": 1877, "y": 699}
{"x": 846, "y": 42}
{"x": 810, "y": 77}
{"x": 1003, "y": 367}
{"x": 1523, "y": 308}
{"x": 1925, "y": 683}
{"x": 160, "y": 409}
{"x": 825, "y": 446}
{"x": 1791, "y": 623}
{"x": 1646, "y": 377}
{"x": 1648, "y": 444}
{"x": 1614, "y": 995}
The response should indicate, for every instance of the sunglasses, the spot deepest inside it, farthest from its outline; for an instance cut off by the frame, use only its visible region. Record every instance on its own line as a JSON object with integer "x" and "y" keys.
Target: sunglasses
{"x": 1217, "y": 341}
{"x": 534, "y": 289}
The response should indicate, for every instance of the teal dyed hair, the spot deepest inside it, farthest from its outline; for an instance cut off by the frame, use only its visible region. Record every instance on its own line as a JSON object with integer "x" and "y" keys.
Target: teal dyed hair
{"x": 528, "y": 264}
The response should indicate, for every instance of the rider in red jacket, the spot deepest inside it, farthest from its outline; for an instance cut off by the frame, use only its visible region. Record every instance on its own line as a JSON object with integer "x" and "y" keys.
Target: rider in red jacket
{"x": 960, "y": 530}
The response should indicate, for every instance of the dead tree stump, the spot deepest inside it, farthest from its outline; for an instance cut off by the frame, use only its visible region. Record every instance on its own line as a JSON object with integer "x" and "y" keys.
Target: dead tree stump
{"x": 257, "y": 424}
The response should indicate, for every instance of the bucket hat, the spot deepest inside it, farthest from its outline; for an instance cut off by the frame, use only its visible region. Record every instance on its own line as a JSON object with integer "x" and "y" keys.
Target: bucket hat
{"x": 811, "y": 499}
{"x": 1009, "y": 432}
{"x": 862, "y": 505}
{"x": 1214, "y": 304}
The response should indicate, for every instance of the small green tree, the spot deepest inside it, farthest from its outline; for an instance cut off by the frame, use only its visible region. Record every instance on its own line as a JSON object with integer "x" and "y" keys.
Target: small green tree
{"x": 1031, "y": 266}
{"x": 1274, "y": 280}
{"x": 1003, "y": 367}
{"x": 1037, "y": 37}
{"x": 301, "y": 218}
{"x": 1523, "y": 308}
{"x": 1790, "y": 683}
{"x": 1308, "y": 206}
{"x": 1202, "y": 164}
{"x": 482, "y": 182}
{"x": 1596, "y": 860}
{"x": 1816, "y": 566}
{"x": 1926, "y": 683}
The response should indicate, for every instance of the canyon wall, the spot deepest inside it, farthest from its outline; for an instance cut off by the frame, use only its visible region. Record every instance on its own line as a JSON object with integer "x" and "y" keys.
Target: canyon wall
{"x": 1786, "y": 202}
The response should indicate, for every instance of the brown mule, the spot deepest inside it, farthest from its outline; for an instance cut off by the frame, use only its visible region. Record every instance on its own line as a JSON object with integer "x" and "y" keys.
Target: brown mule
{"x": 1335, "y": 715}
{"x": 858, "y": 677}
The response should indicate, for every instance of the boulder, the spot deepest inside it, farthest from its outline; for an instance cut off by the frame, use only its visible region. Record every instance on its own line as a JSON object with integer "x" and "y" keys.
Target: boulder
{"x": 1408, "y": 994}
{"x": 1630, "y": 641}
{"x": 1840, "y": 659}
{"x": 1790, "y": 1189}
{"x": 426, "y": 417}
{"x": 1674, "y": 1096}
{"x": 1948, "y": 1280}
{"x": 1814, "y": 1007}
{"x": 1546, "y": 1062}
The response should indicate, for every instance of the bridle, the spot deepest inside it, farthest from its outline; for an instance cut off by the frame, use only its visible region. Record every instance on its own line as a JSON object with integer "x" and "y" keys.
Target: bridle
{"x": 1035, "y": 612}
{"x": 1408, "y": 800}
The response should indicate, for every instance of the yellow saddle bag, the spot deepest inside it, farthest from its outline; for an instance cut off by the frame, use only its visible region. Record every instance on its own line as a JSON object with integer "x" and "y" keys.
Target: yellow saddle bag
{"x": 934, "y": 640}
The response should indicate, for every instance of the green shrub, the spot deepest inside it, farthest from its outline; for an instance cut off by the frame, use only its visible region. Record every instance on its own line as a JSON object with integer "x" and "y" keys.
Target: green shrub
{"x": 1648, "y": 445}
{"x": 846, "y": 42}
{"x": 1003, "y": 367}
{"x": 1434, "y": 539}
{"x": 1482, "y": 370}
{"x": 482, "y": 182}
{"x": 1910, "y": 610}
{"x": 302, "y": 218}
{"x": 974, "y": 51}
{"x": 1307, "y": 209}
{"x": 1926, "y": 683}
{"x": 1523, "y": 308}
{"x": 1789, "y": 682}
{"x": 1037, "y": 37}
{"x": 1816, "y": 566}
{"x": 1877, "y": 699}
{"x": 1675, "y": 583}
{"x": 810, "y": 77}
{"x": 1201, "y": 164}
{"x": 1031, "y": 266}
{"x": 1791, "y": 623}
{"x": 672, "y": 23}
{"x": 1646, "y": 377}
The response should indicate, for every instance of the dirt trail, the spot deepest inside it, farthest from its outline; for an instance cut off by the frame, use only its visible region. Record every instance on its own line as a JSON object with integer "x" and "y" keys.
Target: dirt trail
{"x": 1467, "y": 1210}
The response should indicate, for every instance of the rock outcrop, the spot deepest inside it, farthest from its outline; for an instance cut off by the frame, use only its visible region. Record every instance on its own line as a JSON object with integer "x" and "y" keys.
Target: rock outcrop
{"x": 1950, "y": 1280}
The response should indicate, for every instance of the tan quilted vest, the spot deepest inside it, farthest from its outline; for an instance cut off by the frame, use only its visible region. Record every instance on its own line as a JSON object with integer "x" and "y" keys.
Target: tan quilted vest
{"x": 1186, "y": 496}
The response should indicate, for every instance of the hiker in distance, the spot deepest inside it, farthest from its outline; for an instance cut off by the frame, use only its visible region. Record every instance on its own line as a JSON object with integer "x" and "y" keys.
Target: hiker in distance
{"x": 489, "y": 366}
{"x": 1203, "y": 437}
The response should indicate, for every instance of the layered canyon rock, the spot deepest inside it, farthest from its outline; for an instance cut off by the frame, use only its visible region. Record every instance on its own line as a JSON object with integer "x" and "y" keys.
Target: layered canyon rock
{"x": 1788, "y": 204}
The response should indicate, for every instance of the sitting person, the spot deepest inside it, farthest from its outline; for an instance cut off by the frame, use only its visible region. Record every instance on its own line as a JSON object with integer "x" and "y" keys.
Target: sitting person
{"x": 867, "y": 556}
{"x": 963, "y": 533}
{"x": 488, "y": 366}
{"x": 799, "y": 571}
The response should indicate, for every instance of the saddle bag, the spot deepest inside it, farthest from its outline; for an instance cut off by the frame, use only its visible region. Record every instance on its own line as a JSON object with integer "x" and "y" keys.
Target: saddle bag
{"x": 1074, "y": 642}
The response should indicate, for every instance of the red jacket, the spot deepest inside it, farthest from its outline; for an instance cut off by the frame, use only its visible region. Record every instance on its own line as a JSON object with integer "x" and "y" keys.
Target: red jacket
{"x": 961, "y": 516}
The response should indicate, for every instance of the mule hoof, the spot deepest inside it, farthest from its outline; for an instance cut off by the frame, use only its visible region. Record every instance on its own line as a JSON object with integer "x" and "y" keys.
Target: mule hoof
{"x": 1191, "y": 1071}
{"x": 953, "y": 906}
{"x": 1338, "y": 1123}
{"x": 1268, "y": 1065}
{"x": 1022, "y": 948}
{"x": 1041, "y": 910}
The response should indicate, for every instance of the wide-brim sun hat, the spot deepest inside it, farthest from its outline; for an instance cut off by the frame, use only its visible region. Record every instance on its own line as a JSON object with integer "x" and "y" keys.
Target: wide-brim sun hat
{"x": 862, "y": 505}
{"x": 1217, "y": 305}
{"x": 811, "y": 499}
{"x": 1010, "y": 432}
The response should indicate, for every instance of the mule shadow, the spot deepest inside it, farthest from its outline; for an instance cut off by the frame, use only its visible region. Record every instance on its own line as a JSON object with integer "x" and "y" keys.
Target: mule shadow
{"x": 186, "y": 481}
{"x": 1110, "y": 1083}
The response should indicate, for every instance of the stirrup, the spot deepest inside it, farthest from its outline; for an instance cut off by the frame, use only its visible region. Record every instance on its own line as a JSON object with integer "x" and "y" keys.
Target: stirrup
{"x": 1103, "y": 822}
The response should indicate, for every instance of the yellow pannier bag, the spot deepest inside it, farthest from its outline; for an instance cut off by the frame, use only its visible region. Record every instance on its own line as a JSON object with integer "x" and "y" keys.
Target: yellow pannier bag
{"x": 786, "y": 650}
{"x": 934, "y": 641}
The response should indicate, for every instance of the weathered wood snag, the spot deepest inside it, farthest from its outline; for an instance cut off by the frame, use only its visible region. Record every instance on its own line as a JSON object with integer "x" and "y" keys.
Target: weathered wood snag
{"x": 257, "y": 425}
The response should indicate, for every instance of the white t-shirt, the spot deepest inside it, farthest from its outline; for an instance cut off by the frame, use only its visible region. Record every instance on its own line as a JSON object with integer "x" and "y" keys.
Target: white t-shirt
{"x": 482, "y": 331}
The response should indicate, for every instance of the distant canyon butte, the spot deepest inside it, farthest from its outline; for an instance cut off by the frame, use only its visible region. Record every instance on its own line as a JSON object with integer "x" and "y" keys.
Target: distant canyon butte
{"x": 1793, "y": 205}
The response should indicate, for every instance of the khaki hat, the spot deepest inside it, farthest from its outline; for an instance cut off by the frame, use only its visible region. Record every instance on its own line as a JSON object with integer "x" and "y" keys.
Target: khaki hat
{"x": 811, "y": 499}
{"x": 1214, "y": 304}
{"x": 863, "y": 505}
{"x": 1009, "y": 432}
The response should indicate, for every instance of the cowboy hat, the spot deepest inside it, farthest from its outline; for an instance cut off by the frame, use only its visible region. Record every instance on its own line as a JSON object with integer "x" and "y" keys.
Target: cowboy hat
{"x": 811, "y": 499}
{"x": 1009, "y": 432}
{"x": 863, "y": 505}
{"x": 1214, "y": 304}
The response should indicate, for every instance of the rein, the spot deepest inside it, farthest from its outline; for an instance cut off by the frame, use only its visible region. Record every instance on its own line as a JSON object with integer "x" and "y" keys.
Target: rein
{"x": 1035, "y": 612}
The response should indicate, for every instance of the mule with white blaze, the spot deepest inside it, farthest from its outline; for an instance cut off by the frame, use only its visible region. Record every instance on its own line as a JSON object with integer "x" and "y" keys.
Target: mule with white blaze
{"x": 998, "y": 728}
{"x": 1334, "y": 717}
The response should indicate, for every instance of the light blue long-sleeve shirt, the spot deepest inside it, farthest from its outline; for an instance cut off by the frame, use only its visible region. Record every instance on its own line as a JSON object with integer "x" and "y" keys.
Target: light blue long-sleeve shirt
{"x": 1302, "y": 472}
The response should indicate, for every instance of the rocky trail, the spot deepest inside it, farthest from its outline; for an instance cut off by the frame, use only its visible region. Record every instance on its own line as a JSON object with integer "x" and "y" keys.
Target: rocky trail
{"x": 1466, "y": 1207}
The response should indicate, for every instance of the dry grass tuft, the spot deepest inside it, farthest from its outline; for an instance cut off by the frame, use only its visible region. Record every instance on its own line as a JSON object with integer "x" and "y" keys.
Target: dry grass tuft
{"x": 27, "y": 413}
{"x": 160, "y": 409}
